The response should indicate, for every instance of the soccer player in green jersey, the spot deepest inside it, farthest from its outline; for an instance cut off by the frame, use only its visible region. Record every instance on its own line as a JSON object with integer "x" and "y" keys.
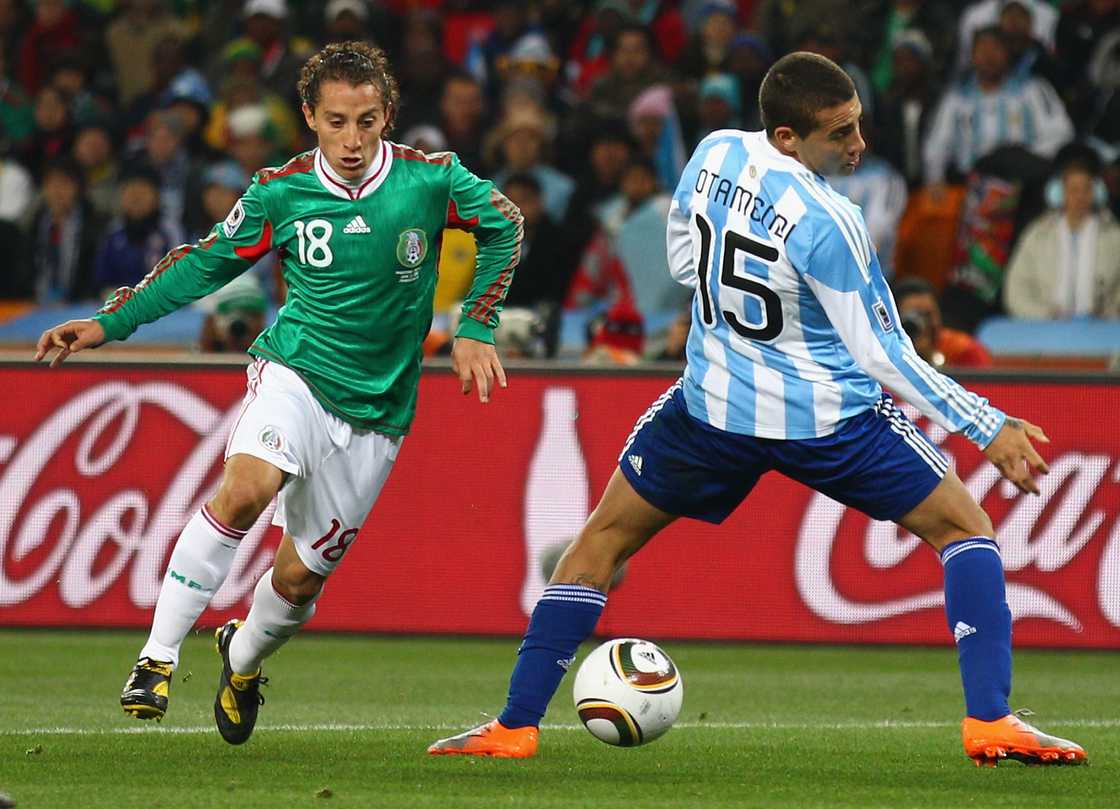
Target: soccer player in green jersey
{"x": 332, "y": 389}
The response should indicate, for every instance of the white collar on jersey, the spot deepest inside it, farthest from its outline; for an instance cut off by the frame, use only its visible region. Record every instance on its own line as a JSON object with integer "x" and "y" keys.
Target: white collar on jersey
{"x": 774, "y": 154}
{"x": 355, "y": 189}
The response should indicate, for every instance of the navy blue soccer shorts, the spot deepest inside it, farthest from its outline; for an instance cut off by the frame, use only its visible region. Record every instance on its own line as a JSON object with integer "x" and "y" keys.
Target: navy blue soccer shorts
{"x": 878, "y": 462}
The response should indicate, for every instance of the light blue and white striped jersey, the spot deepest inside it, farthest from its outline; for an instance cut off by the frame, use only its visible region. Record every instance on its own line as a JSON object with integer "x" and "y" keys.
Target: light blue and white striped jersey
{"x": 793, "y": 326}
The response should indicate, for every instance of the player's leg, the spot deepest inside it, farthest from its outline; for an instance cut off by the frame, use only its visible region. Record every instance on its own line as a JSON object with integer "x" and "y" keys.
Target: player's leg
{"x": 671, "y": 466}
{"x": 955, "y": 525}
{"x": 198, "y": 567}
{"x": 321, "y": 514}
{"x": 564, "y": 617}
{"x": 283, "y": 601}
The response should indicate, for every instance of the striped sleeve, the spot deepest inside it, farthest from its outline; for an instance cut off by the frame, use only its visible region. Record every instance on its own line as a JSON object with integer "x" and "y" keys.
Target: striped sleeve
{"x": 476, "y": 206}
{"x": 192, "y": 271}
{"x": 1052, "y": 126}
{"x": 866, "y": 320}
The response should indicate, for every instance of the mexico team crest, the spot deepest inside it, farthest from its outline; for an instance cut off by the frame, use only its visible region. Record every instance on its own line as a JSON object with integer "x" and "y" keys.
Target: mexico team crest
{"x": 412, "y": 247}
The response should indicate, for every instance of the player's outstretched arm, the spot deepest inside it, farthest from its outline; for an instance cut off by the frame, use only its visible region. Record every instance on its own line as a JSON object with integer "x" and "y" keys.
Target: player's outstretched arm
{"x": 477, "y": 365}
{"x": 69, "y": 338}
{"x": 1015, "y": 456}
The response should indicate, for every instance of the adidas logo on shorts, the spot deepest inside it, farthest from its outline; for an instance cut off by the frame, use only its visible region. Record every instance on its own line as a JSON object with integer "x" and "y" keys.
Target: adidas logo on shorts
{"x": 356, "y": 225}
{"x": 962, "y": 631}
{"x": 636, "y": 463}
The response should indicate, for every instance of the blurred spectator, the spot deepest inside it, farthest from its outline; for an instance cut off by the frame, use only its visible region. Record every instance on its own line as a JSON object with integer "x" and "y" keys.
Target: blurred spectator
{"x": 784, "y": 24}
{"x": 984, "y": 14}
{"x": 1104, "y": 77}
{"x": 139, "y": 238}
{"x": 241, "y": 90}
{"x": 425, "y": 137}
{"x": 1080, "y": 28}
{"x": 421, "y": 72}
{"x": 133, "y": 40}
{"x": 616, "y": 337}
{"x": 750, "y": 58}
{"x": 709, "y": 48}
{"x": 920, "y": 317}
{"x": 1028, "y": 56}
{"x": 17, "y": 190}
{"x": 282, "y": 55}
{"x": 346, "y": 20}
{"x": 1067, "y": 263}
{"x": 73, "y": 77}
{"x": 908, "y": 104}
{"x": 934, "y": 22}
{"x": 53, "y": 131}
{"x": 547, "y": 261}
{"x": 992, "y": 109}
{"x": 56, "y": 31}
{"x": 166, "y": 152}
{"x": 17, "y": 119}
{"x": 462, "y": 109}
{"x": 249, "y": 143}
{"x": 173, "y": 80}
{"x": 529, "y": 71}
{"x": 62, "y": 239}
{"x": 657, "y": 132}
{"x": 235, "y": 315}
{"x": 511, "y": 23}
{"x": 718, "y": 104}
{"x": 592, "y": 53}
{"x": 635, "y": 223}
{"x": 521, "y": 144}
{"x": 13, "y": 20}
{"x": 632, "y": 70}
{"x": 95, "y": 151}
{"x": 880, "y": 191}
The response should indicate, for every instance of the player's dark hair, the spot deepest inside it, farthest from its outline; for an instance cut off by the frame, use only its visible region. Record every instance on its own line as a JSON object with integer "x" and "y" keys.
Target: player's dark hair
{"x": 797, "y": 87}
{"x": 352, "y": 62}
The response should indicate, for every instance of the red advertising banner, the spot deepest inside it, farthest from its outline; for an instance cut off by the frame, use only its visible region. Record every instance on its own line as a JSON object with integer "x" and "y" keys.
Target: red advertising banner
{"x": 100, "y": 467}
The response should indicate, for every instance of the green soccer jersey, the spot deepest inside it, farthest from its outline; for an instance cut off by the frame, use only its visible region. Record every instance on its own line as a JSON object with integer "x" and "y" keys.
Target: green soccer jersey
{"x": 360, "y": 264}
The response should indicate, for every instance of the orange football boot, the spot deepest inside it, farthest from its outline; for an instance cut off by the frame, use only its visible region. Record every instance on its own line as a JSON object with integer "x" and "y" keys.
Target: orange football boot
{"x": 492, "y": 739}
{"x": 987, "y": 743}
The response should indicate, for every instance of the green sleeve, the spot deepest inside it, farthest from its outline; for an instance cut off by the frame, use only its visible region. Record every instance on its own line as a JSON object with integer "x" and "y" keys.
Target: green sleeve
{"x": 478, "y": 207}
{"x": 192, "y": 271}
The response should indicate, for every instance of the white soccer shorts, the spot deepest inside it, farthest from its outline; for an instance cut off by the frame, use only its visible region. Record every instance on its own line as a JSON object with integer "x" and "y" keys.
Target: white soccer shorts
{"x": 335, "y": 470}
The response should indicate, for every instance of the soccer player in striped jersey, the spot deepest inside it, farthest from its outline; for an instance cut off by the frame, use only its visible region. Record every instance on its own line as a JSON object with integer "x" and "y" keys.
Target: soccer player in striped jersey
{"x": 794, "y": 334}
{"x": 332, "y": 392}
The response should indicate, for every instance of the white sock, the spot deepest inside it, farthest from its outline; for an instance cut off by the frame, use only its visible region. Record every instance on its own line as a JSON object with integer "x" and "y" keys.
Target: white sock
{"x": 199, "y": 565}
{"x": 272, "y": 621}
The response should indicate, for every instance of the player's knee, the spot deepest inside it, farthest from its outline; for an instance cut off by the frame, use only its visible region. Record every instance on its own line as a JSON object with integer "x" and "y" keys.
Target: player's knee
{"x": 295, "y": 583}
{"x": 241, "y": 500}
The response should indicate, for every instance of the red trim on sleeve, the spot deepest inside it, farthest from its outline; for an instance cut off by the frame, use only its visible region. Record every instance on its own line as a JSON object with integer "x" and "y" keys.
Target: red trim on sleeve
{"x": 254, "y": 251}
{"x": 458, "y": 222}
{"x": 297, "y": 165}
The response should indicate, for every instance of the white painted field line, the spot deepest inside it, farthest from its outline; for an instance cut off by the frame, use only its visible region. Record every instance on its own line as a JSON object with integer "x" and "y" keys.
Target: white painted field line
{"x": 885, "y": 724}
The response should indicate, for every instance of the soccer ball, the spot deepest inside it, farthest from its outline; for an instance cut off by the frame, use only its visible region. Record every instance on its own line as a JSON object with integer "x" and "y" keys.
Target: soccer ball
{"x": 628, "y": 692}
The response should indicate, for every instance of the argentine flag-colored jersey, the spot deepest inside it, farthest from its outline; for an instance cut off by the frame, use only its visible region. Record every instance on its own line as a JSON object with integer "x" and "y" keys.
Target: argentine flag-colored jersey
{"x": 793, "y": 326}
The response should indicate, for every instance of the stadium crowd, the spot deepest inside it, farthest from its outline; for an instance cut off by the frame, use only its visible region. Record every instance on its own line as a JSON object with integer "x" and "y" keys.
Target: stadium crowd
{"x": 991, "y": 182}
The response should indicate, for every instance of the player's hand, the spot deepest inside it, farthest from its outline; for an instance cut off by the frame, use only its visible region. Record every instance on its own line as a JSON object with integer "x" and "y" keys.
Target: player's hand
{"x": 69, "y": 338}
{"x": 477, "y": 365}
{"x": 1014, "y": 455}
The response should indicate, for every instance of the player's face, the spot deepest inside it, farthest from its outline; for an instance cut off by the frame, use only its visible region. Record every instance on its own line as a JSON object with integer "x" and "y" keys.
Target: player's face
{"x": 835, "y": 146}
{"x": 349, "y": 120}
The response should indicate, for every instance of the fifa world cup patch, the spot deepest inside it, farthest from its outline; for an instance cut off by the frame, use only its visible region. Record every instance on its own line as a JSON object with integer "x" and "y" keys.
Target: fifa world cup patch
{"x": 412, "y": 247}
{"x": 883, "y": 314}
{"x": 234, "y": 219}
{"x": 271, "y": 439}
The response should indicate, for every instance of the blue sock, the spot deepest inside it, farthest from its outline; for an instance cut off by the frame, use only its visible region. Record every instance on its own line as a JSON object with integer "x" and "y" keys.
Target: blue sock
{"x": 564, "y": 618}
{"x": 976, "y": 607}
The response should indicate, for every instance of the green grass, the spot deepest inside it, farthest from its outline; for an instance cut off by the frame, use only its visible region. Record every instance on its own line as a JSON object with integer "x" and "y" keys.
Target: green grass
{"x": 766, "y": 726}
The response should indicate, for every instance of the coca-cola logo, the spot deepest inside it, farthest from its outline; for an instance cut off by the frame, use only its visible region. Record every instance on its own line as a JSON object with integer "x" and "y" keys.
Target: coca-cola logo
{"x": 1068, "y": 524}
{"x": 134, "y": 530}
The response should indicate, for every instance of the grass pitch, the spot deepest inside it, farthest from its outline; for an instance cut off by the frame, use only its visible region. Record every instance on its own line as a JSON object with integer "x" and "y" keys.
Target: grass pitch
{"x": 348, "y": 719}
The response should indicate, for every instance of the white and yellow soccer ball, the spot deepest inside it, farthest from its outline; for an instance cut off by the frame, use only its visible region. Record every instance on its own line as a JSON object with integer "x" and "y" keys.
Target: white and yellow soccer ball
{"x": 628, "y": 692}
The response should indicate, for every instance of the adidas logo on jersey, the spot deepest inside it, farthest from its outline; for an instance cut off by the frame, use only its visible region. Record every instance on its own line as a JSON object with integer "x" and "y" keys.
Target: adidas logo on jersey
{"x": 962, "y": 631}
{"x": 356, "y": 225}
{"x": 636, "y": 463}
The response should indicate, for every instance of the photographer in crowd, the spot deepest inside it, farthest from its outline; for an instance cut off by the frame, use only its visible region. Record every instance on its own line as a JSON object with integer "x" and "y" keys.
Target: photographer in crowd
{"x": 935, "y": 343}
